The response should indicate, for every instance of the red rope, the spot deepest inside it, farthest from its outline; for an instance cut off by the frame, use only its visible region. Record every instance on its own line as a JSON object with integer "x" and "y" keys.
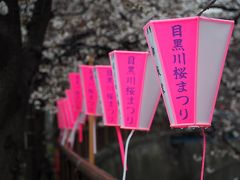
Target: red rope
{"x": 203, "y": 153}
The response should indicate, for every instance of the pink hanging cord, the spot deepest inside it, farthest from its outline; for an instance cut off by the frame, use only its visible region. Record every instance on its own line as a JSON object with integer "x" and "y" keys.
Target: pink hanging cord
{"x": 80, "y": 133}
{"x": 203, "y": 153}
{"x": 120, "y": 142}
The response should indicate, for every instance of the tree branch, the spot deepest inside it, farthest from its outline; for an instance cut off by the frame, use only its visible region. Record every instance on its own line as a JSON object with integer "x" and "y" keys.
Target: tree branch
{"x": 207, "y": 7}
{"x": 236, "y": 17}
{"x": 10, "y": 23}
{"x": 224, "y": 8}
{"x": 37, "y": 28}
{"x": 38, "y": 25}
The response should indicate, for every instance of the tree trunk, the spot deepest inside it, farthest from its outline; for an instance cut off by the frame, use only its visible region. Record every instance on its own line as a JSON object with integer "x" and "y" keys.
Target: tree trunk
{"x": 18, "y": 65}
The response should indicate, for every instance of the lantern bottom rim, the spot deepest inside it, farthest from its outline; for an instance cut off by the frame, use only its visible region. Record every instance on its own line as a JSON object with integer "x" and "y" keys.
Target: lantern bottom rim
{"x": 191, "y": 125}
{"x": 135, "y": 128}
{"x": 111, "y": 125}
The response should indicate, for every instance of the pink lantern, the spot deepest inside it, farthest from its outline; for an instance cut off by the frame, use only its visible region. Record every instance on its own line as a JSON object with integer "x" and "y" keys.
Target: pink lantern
{"x": 189, "y": 54}
{"x": 106, "y": 89}
{"x": 60, "y": 114}
{"x": 65, "y": 110}
{"x": 64, "y": 117}
{"x": 76, "y": 90}
{"x": 90, "y": 94}
{"x": 62, "y": 120}
{"x": 91, "y": 103}
{"x": 62, "y": 109}
{"x": 137, "y": 88}
{"x": 78, "y": 109}
{"x": 69, "y": 106}
{"x": 107, "y": 95}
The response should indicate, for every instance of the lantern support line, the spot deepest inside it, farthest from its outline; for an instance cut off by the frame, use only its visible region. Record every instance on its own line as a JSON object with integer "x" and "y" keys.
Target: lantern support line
{"x": 203, "y": 153}
{"x": 126, "y": 154}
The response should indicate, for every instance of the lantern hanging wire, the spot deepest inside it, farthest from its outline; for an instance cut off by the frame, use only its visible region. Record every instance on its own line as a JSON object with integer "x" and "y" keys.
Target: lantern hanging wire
{"x": 126, "y": 154}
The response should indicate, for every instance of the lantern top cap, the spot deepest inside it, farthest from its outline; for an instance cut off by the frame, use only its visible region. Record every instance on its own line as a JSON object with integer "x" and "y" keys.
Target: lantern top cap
{"x": 60, "y": 101}
{"x": 67, "y": 90}
{"x": 73, "y": 73}
{"x": 190, "y": 18}
{"x": 86, "y": 66}
{"x": 126, "y": 52}
{"x": 102, "y": 66}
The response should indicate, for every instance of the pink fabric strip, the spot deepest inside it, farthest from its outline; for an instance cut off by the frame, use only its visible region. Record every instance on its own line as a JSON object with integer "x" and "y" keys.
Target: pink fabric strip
{"x": 120, "y": 142}
{"x": 203, "y": 153}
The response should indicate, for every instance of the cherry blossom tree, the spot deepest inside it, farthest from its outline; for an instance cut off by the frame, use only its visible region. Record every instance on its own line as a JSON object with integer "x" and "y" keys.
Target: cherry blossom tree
{"x": 42, "y": 41}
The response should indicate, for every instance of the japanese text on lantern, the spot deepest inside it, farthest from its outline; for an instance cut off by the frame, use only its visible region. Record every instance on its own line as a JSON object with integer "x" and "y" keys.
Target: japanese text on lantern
{"x": 90, "y": 90}
{"x": 77, "y": 94}
{"x": 110, "y": 96}
{"x": 180, "y": 71}
{"x": 130, "y": 89}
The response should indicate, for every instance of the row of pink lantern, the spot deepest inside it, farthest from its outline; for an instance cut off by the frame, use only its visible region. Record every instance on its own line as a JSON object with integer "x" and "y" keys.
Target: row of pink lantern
{"x": 92, "y": 92}
{"x": 185, "y": 64}
{"x": 135, "y": 80}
